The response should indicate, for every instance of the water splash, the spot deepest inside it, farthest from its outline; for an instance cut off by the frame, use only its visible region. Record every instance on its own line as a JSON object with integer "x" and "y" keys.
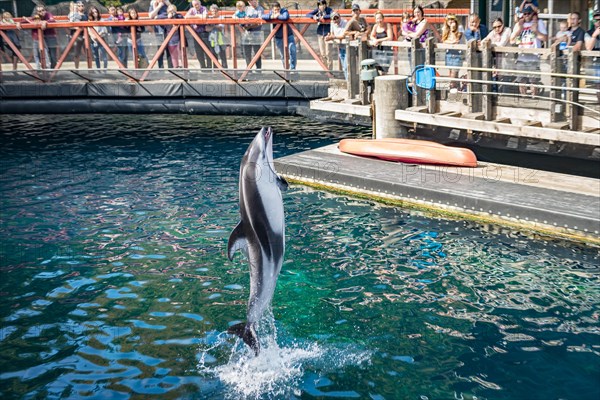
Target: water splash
{"x": 280, "y": 368}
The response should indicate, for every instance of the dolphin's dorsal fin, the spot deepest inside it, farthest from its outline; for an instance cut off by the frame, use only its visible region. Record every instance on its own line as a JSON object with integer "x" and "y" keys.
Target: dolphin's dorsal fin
{"x": 282, "y": 183}
{"x": 237, "y": 240}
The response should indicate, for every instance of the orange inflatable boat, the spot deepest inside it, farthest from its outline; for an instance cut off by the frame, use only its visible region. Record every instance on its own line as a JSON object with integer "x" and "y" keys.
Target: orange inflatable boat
{"x": 410, "y": 151}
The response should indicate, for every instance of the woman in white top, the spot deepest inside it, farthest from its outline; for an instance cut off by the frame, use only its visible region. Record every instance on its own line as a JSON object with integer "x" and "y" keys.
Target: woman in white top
{"x": 499, "y": 36}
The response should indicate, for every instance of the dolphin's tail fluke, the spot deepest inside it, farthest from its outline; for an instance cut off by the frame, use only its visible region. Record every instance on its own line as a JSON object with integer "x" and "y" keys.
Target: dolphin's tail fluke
{"x": 248, "y": 335}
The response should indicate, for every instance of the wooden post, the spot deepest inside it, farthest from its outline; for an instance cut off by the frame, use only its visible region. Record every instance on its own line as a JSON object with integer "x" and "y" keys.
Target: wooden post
{"x": 390, "y": 95}
{"x": 417, "y": 56}
{"x": 353, "y": 69}
{"x": 572, "y": 95}
{"x": 431, "y": 96}
{"x": 473, "y": 60}
{"x": 487, "y": 103}
{"x": 557, "y": 108}
{"x": 363, "y": 54}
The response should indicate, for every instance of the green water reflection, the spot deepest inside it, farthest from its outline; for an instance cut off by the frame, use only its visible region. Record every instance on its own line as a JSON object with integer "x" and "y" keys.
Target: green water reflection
{"x": 115, "y": 283}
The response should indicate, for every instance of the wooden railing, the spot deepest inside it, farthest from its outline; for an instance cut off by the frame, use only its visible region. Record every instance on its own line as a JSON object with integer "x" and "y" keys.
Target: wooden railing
{"x": 565, "y": 75}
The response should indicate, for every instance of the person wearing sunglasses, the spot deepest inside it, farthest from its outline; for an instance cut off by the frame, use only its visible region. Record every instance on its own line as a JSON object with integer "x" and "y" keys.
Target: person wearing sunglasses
{"x": 530, "y": 33}
{"x": 500, "y": 34}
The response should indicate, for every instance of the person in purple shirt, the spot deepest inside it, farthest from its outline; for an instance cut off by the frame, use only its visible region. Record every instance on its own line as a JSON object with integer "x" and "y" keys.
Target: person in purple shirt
{"x": 282, "y": 14}
{"x": 42, "y": 17}
{"x": 475, "y": 30}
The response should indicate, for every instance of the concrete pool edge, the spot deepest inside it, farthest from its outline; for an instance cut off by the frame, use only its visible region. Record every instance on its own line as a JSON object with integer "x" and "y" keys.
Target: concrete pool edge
{"x": 354, "y": 176}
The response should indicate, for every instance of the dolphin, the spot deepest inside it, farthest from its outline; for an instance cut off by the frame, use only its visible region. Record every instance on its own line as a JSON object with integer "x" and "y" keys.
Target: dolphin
{"x": 260, "y": 234}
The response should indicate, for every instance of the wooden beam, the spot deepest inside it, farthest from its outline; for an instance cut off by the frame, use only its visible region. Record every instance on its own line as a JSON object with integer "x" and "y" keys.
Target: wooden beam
{"x": 534, "y": 132}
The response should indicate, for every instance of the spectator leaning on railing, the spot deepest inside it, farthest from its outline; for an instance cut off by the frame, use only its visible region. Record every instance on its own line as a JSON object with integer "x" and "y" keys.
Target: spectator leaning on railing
{"x": 475, "y": 30}
{"x": 451, "y": 35}
{"x": 529, "y": 33}
{"x": 322, "y": 14}
{"x": 158, "y": 10}
{"x": 357, "y": 27}
{"x": 282, "y": 14}
{"x": 381, "y": 32}
{"x": 337, "y": 34}
{"x": 42, "y": 17}
{"x": 197, "y": 10}
{"x": 97, "y": 49}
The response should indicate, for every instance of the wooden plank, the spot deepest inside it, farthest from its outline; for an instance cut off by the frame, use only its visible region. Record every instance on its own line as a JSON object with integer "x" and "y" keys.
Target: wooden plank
{"x": 475, "y": 115}
{"x": 342, "y": 108}
{"x": 533, "y": 132}
{"x": 532, "y": 123}
{"x": 558, "y": 125}
{"x": 419, "y": 109}
{"x": 502, "y": 120}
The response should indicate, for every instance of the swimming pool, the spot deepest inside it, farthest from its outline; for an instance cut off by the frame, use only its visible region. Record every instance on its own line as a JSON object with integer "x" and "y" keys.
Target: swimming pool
{"x": 115, "y": 282}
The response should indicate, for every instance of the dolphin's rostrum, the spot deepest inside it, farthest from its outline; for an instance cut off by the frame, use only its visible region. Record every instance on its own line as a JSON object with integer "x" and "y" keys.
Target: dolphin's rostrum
{"x": 260, "y": 235}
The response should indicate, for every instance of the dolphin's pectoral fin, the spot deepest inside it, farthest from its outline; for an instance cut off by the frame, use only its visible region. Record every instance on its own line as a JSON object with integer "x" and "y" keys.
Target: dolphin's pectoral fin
{"x": 248, "y": 335}
{"x": 282, "y": 183}
{"x": 237, "y": 241}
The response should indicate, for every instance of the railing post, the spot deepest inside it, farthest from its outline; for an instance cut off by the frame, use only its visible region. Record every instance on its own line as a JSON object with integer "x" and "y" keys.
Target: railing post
{"x": 487, "y": 97}
{"x": 557, "y": 113}
{"x": 473, "y": 60}
{"x": 363, "y": 54}
{"x": 430, "y": 60}
{"x": 353, "y": 74}
{"x": 134, "y": 48}
{"x": 418, "y": 58}
{"x": 573, "y": 95}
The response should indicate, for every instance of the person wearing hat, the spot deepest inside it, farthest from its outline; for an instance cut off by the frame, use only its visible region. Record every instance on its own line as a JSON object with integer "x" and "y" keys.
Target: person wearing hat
{"x": 534, "y": 4}
{"x": 322, "y": 14}
{"x": 530, "y": 32}
{"x": 337, "y": 34}
{"x": 357, "y": 26}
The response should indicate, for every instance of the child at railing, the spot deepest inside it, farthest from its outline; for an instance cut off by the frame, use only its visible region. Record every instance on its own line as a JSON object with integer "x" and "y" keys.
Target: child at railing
{"x": 175, "y": 41}
{"x": 563, "y": 36}
{"x": 216, "y": 37}
{"x": 240, "y": 10}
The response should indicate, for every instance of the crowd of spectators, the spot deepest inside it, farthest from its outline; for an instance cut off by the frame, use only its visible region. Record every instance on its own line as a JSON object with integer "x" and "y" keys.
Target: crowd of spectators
{"x": 211, "y": 41}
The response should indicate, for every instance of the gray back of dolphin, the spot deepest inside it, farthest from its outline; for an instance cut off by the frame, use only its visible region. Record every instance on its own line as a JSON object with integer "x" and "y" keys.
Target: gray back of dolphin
{"x": 261, "y": 232}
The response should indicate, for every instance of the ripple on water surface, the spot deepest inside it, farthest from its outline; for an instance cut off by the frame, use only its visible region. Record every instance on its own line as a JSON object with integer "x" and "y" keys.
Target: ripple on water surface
{"x": 115, "y": 280}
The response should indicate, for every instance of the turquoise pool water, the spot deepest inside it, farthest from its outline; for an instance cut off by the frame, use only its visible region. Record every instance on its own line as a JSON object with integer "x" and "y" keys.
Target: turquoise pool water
{"x": 115, "y": 283}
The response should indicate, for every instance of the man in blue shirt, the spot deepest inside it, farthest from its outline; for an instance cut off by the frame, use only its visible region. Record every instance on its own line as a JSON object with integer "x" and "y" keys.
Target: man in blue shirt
{"x": 282, "y": 14}
{"x": 475, "y": 30}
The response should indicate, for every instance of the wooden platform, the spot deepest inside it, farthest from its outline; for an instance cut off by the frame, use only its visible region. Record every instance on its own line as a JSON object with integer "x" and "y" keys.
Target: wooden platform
{"x": 555, "y": 204}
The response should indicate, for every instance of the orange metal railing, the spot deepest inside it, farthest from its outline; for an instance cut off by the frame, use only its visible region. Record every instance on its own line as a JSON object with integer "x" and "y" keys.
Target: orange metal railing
{"x": 182, "y": 26}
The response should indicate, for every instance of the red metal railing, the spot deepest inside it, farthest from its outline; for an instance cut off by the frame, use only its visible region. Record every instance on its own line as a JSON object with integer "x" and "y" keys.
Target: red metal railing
{"x": 181, "y": 26}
